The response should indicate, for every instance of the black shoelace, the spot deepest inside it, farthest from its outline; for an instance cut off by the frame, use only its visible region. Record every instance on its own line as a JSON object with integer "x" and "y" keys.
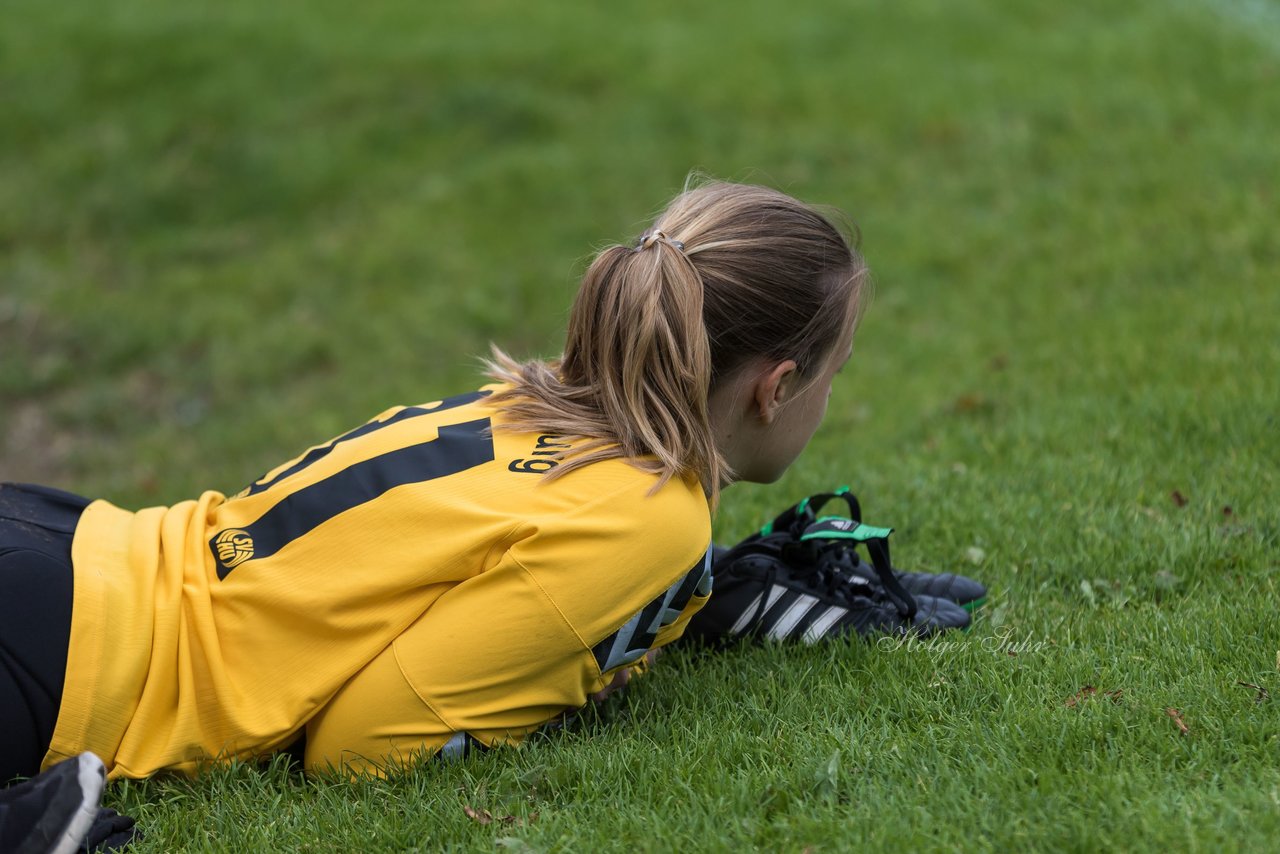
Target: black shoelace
{"x": 842, "y": 560}
{"x": 825, "y": 571}
{"x": 839, "y": 553}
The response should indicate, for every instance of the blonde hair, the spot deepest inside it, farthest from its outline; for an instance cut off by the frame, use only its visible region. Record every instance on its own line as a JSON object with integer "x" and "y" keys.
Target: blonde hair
{"x": 726, "y": 274}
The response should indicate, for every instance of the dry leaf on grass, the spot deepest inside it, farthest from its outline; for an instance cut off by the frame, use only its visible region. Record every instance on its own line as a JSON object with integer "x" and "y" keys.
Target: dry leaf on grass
{"x": 1177, "y": 719}
{"x": 1080, "y": 696}
{"x": 1089, "y": 691}
{"x": 972, "y": 402}
{"x": 1178, "y": 498}
{"x": 478, "y": 816}
{"x": 486, "y": 817}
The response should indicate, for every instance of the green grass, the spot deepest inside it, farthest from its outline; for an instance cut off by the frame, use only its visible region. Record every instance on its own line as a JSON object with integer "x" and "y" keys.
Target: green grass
{"x": 229, "y": 231}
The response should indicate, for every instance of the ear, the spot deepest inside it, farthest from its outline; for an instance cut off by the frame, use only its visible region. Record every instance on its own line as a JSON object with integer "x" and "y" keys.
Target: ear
{"x": 773, "y": 388}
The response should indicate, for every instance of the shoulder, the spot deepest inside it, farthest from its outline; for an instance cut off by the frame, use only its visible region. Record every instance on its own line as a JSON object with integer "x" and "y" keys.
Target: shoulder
{"x": 625, "y": 549}
{"x": 625, "y": 498}
{"x": 613, "y": 523}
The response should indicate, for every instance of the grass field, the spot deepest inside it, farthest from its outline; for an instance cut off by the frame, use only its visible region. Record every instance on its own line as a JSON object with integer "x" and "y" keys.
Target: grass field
{"x": 229, "y": 231}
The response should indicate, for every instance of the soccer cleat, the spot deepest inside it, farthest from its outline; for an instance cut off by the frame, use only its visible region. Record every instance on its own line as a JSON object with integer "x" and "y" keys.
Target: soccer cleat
{"x": 783, "y": 587}
{"x": 111, "y": 832}
{"x": 801, "y": 578}
{"x": 53, "y": 812}
{"x": 964, "y": 591}
{"x": 960, "y": 589}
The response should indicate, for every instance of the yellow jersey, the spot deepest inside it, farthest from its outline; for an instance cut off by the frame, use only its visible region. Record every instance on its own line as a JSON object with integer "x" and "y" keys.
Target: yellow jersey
{"x": 411, "y": 584}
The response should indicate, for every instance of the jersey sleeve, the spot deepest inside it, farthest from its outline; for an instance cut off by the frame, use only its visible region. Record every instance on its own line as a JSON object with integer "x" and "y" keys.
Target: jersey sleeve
{"x": 504, "y": 652}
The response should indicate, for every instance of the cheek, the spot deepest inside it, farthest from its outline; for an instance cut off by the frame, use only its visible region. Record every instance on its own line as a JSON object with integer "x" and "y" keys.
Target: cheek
{"x": 808, "y": 426}
{"x": 817, "y": 421}
{"x": 823, "y": 402}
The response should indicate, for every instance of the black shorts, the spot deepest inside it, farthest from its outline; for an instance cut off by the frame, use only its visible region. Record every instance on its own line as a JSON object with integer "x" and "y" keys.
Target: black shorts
{"x": 36, "y": 584}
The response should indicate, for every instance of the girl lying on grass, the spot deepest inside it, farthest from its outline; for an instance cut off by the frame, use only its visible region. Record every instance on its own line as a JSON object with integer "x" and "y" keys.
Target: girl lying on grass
{"x": 461, "y": 572}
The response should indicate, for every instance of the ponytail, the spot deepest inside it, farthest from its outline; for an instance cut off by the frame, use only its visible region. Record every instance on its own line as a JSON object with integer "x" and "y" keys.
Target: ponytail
{"x": 653, "y": 328}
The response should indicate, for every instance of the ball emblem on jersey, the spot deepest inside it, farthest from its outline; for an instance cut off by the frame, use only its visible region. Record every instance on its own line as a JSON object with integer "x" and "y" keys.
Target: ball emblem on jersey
{"x": 234, "y": 546}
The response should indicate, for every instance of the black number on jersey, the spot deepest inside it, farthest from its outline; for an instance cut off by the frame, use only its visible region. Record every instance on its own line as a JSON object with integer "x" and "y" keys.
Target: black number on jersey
{"x": 456, "y": 448}
{"x": 321, "y": 451}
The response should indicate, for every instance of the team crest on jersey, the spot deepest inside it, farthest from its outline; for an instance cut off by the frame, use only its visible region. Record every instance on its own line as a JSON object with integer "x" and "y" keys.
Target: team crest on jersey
{"x": 234, "y": 547}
